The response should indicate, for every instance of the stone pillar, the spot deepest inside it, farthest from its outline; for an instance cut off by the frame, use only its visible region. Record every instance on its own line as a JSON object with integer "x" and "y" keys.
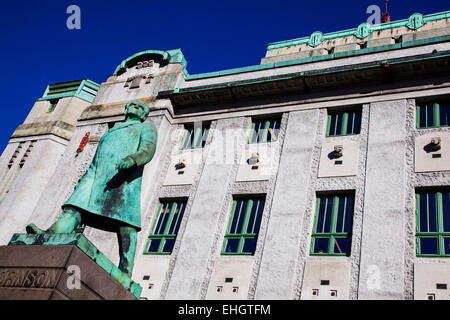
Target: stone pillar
{"x": 383, "y": 233}
{"x": 277, "y": 273}
{"x": 190, "y": 266}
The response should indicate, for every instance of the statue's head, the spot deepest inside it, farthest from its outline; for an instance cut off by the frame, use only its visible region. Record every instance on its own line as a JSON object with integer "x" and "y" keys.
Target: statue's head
{"x": 137, "y": 109}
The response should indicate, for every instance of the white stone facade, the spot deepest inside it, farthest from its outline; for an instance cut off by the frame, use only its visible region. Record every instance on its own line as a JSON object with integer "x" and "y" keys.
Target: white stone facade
{"x": 383, "y": 166}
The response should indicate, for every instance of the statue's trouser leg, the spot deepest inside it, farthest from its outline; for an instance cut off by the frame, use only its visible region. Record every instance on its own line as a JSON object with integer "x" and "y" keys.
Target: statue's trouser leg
{"x": 67, "y": 221}
{"x": 127, "y": 248}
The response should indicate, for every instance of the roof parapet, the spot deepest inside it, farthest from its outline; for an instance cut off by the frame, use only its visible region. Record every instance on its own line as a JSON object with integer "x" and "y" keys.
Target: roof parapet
{"x": 84, "y": 89}
{"x": 414, "y": 22}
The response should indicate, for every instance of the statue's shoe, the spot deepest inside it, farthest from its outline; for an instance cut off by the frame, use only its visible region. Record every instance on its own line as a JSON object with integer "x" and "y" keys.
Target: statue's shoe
{"x": 33, "y": 229}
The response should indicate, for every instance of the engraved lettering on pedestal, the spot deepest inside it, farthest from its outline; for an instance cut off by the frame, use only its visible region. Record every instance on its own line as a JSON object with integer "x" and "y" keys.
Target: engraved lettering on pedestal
{"x": 28, "y": 278}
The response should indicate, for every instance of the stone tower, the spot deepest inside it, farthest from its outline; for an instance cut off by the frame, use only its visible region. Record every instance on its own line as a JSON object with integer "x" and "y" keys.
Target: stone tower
{"x": 36, "y": 147}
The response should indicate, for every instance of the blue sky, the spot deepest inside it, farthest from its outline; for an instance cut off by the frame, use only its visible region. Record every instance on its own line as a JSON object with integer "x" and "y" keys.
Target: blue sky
{"x": 38, "y": 49}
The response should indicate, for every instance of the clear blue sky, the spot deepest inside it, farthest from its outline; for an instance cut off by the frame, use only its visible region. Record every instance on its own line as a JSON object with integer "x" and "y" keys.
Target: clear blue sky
{"x": 38, "y": 49}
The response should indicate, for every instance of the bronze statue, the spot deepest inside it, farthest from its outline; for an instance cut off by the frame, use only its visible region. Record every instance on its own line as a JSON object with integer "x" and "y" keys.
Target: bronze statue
{"x": 107, "y": 197}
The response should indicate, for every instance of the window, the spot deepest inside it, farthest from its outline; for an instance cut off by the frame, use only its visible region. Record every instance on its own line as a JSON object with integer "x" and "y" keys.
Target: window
{"x": 343, "y": 123}
{"x": 194, "y": 136}
{"x": 243, "y": 227}
{"x": 332, "y": 225}
{"x": 165, "y": 227}
{"x": 264, "y": 131}
{"x": 429, "y": 115}
{"x": 52, "y": 105}
{"x": 433, "y": 223}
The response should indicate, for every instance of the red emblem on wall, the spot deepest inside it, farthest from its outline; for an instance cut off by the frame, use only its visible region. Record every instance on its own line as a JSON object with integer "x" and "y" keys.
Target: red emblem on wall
{"x": 83, "y": 143}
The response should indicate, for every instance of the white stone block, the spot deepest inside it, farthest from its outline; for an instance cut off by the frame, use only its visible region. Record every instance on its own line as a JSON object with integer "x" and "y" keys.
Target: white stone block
{"x": 346, "y": 165}
{"x": 431, "y": 281}
{"x": 249, "y": 170}
{"x": 179, "y": 175}
{"x": 326, "y": 280}
{"x": 150, "y": 273}
{"x": 426, "y": 159}
{"x": 230, "y": 279}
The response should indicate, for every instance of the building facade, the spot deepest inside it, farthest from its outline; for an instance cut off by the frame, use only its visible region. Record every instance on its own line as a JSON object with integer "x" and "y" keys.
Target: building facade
{"x": 322, "y": 173}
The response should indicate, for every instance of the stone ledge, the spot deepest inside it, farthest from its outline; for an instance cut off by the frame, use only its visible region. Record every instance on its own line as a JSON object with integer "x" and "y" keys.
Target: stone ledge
{"x": 109, "y": 109}
{"x": 58, "y": 128}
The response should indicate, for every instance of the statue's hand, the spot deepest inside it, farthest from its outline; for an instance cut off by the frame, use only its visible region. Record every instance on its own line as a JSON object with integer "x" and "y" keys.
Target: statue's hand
{"x": 125, "y": 163}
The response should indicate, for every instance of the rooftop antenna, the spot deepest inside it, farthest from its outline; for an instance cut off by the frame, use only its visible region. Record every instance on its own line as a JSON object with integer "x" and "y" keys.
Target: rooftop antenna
{"x": 386, "y": 17}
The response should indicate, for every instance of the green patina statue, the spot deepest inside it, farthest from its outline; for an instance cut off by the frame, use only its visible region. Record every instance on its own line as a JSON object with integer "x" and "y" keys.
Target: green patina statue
{"x": 107, "y": 197}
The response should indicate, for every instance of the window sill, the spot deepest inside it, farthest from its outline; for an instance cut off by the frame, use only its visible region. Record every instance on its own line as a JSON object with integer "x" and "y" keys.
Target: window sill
{"x": 342, "y": 135}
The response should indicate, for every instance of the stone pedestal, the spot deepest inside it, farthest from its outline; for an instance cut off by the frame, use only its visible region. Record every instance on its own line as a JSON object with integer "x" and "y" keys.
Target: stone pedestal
{"x": 60, "y": 267}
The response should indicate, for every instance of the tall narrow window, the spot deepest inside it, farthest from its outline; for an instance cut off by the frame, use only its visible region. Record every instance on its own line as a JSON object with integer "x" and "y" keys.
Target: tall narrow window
{"x": 264, "y": 130}
{"x": 433, "y": 223}
{"x": 243, "y": 227}
{"x": 333, "y": 225}
{"x": 431, "y": 115}
{"x": 165, "y": 227}
{"x": 343, "y": 123}
{"x": 194, "y": 136}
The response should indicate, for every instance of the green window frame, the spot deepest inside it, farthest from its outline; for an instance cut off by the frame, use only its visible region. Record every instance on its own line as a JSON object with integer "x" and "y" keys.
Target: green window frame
{"x": 432, "y": 115}
{"x": 343, "y": 123}
{"x": 433, "y": 223}
{"x": 332, "y": 230}
{"x": 165, "y": 227}
{"x": 194, "y": 137}
{"x": 243, "y": 227}
{"x": 266, "y": 130}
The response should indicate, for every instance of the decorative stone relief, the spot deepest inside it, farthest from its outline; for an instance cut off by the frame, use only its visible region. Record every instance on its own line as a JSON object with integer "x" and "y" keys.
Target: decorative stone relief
{"x": 315, "y": 39}
{"x": 15, "y": 154}
{"x": 134, "y": 82}
{"x": 363, "y": 31}
{"x": 339, "y": 158}
{"x": 431, "y": 152}
{"x": 415, "y": 21}
{"x": 184, "y": 167}
{"x": 144, "y": 64}
{"x": 257, "y": 161}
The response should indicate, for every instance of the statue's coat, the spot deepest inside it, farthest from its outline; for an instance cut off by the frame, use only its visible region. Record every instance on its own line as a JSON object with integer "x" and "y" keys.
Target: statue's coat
{"x": 108, "y": 192}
